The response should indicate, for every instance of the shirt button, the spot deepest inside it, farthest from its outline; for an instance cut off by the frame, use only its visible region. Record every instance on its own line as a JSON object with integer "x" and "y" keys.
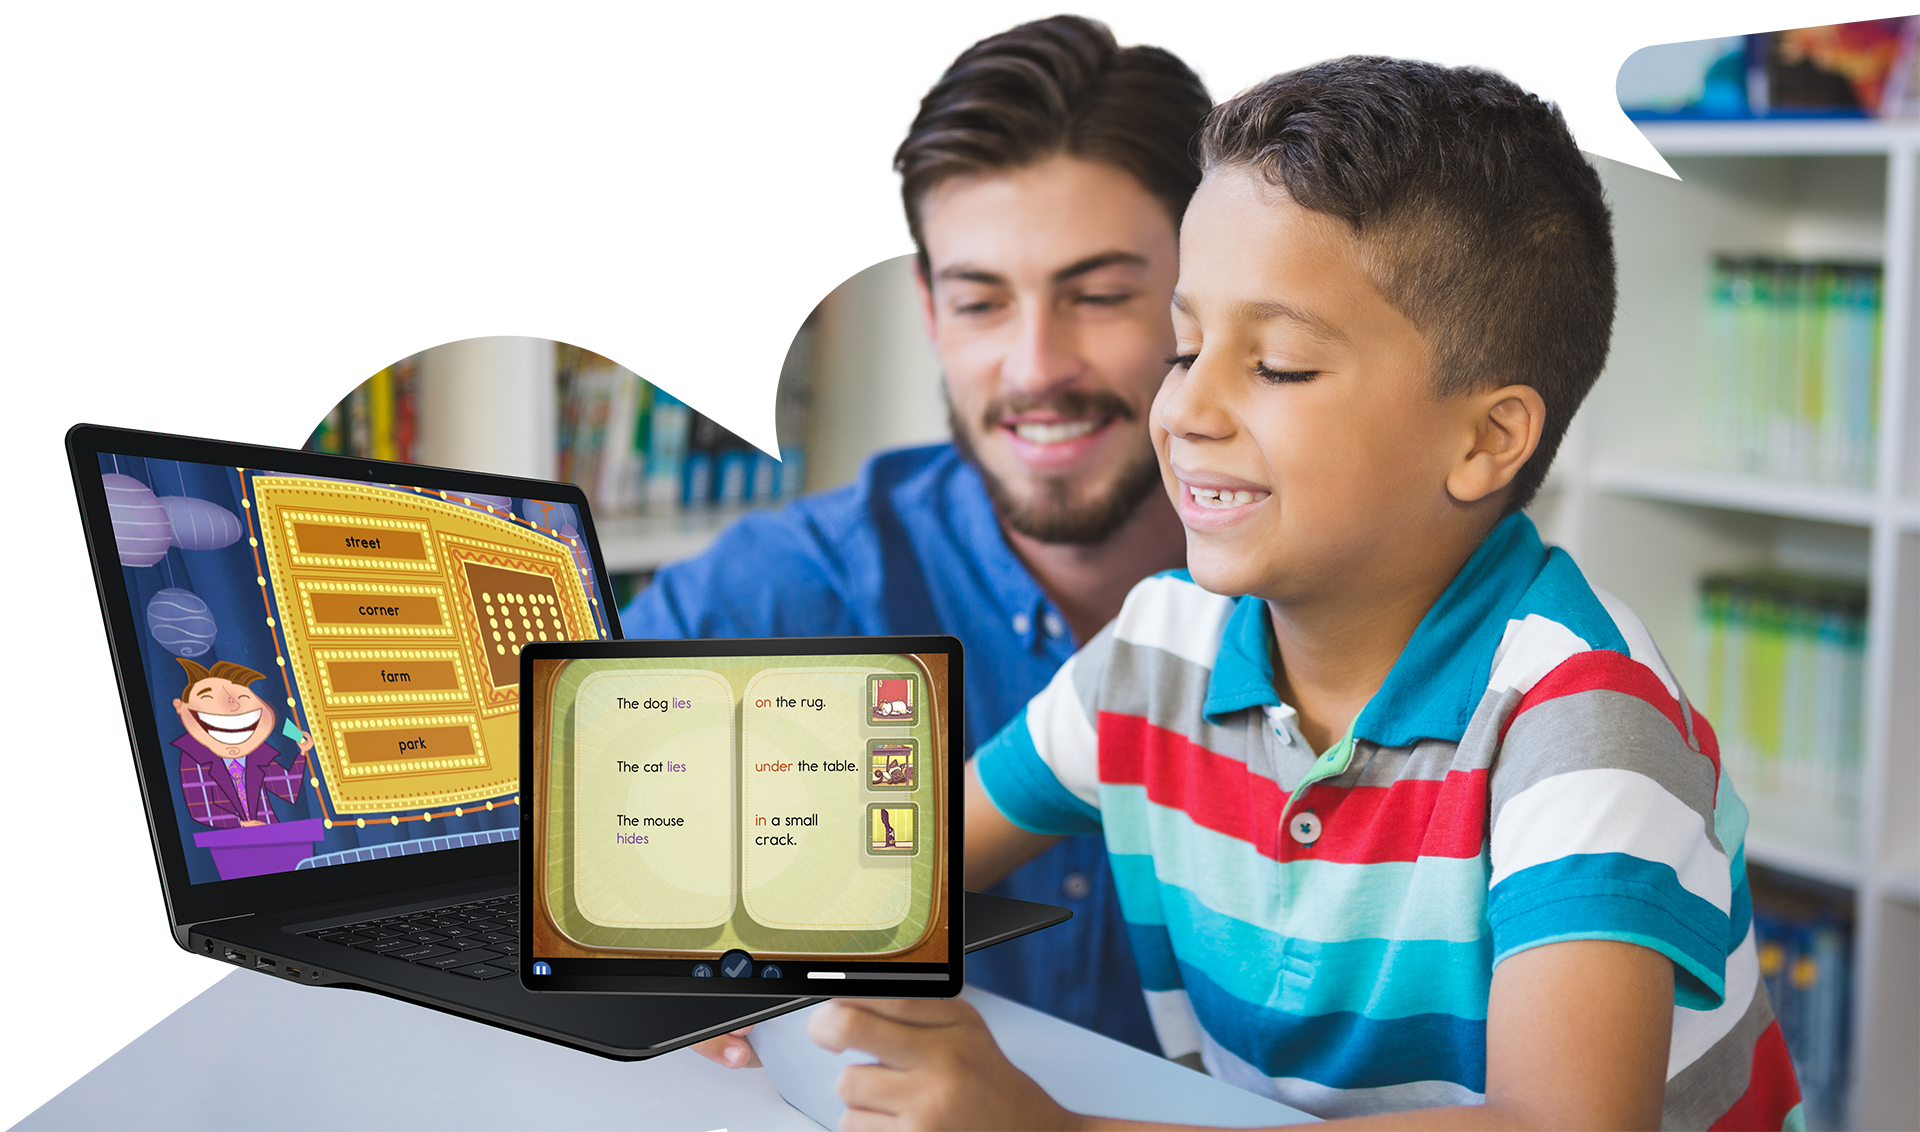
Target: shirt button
{"x": 1055, "y": 626}
{"x": 1076, "y": 886}
{"x": 1305, "y": 828}
{"x": 1021, "y": 622}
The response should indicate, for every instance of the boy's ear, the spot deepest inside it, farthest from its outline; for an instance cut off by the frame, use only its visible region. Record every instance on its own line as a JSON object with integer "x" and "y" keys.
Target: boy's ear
{"x": 1506, "y": 424}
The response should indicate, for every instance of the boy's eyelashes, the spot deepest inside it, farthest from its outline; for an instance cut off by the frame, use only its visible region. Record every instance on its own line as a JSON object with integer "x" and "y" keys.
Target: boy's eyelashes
{"x": 1283, "y": 376}
{"x": 1261, "y": 369}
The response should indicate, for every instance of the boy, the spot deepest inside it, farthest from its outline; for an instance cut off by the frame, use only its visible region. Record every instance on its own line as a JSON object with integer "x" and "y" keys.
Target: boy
{"x": 1418, "y": 823}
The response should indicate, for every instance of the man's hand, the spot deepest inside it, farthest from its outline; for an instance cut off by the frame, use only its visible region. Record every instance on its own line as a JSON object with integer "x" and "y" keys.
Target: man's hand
{"x": 939, "y": 1068}
{"x": 731, "y": 1050}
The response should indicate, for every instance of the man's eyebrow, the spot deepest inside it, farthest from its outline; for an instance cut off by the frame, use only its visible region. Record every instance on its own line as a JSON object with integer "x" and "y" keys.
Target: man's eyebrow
{"x": 1096, "y": 262}
{"x": 967, "y": 273}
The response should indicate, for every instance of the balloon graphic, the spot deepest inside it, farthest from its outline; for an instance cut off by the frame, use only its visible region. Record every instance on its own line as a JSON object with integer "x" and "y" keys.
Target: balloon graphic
{"x": 181, "y": 622}
{"x": 200, "y": 524}
{"x": 499, "y": 502}
{"x": 141, "y": 531}
{"x": 553, "y": 516}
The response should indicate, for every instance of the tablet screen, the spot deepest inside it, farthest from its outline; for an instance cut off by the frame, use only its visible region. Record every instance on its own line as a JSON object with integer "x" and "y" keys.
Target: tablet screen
{"x": 746, "y": 817}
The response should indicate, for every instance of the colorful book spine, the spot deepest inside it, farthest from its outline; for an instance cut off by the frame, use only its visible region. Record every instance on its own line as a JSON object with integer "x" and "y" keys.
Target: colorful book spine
{"x": 1793, "y": 385}
{"x": 1805, "y": 944}
{"x": 1784, "y": 658}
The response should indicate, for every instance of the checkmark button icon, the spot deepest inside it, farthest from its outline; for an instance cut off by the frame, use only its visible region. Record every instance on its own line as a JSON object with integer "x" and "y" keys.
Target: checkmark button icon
{"x": 736, "y": 965}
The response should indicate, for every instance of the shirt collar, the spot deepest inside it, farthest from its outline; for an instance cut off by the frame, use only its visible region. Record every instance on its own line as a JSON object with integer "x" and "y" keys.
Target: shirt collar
{"x": 1023, "y": 604}
{"x": 1435, "y": 685}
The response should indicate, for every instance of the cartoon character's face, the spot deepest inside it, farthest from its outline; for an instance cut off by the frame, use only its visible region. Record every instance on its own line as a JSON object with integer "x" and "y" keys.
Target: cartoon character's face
{"x": 225, "y": 716}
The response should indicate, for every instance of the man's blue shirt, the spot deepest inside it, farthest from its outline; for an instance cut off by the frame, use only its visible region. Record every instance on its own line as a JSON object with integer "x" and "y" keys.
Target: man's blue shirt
{"x": 913, "y": 547}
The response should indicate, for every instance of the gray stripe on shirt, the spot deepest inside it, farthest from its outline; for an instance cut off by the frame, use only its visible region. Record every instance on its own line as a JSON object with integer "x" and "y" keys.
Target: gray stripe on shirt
{"x": 1558, "y": 736}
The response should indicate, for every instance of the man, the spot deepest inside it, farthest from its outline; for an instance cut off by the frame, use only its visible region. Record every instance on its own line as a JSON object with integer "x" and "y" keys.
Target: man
{"x": 1044, "y": 180}
{"x": 227, "y": 770}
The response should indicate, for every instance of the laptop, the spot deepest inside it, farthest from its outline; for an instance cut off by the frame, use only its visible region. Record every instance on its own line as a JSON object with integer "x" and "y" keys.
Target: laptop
{"x": 743, "y": 816}
{"x": 318, "y": 661}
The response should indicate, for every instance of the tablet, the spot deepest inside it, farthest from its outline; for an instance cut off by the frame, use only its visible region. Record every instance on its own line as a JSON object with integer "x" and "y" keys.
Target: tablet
{"x": 744, "y": 817}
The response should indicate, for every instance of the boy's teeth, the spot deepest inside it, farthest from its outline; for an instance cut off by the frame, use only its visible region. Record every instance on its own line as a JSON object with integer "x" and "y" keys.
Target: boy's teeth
{"x": 1209, "y": 497}
{"x": 1052, "y": 432}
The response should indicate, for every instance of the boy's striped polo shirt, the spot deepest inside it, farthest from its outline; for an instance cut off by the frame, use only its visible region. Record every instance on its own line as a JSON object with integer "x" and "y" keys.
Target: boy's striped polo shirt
{"x": 1323, "y": 929}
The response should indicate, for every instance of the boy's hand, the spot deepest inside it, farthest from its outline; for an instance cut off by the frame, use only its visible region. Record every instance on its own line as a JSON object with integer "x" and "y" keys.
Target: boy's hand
{"x": 939, "y": 1068}
{"x": 731, "y": 1050}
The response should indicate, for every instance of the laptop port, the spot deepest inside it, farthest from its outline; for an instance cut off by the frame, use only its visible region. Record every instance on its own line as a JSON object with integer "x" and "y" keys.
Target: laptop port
{"x": 264, "y": 963}
{"x": 293, "y": 972}
{"x": 234, "y": 956}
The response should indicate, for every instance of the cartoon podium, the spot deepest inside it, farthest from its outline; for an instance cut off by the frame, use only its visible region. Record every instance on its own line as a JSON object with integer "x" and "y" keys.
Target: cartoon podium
{"x": 252, "y": 850}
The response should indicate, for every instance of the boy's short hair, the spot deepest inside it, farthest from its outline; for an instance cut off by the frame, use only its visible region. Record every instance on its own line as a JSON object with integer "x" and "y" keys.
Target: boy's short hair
{"x": 1477, "y": 215}
{"x": 1056, "y": 86}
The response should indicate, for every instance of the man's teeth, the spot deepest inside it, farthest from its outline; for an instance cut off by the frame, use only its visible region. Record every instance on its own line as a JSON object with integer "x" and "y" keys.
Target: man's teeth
{"x": 242, "y": 723}
{"x": 1208, "y": 497}
{"x": 229, "y": 728}
{"x": 1052, "y": 432}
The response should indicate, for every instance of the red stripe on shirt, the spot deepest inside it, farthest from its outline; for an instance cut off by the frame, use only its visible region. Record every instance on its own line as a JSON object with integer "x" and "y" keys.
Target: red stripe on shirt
{"x": 1359, "y": 825}
{"x": 1772, "y": 1090}
{"x": 1605, "y": 670}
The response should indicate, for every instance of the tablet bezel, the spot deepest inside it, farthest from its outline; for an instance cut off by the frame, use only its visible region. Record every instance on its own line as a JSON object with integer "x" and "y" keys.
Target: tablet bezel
{"x": 613, "y": 975}
{"x": 190, "y": 903}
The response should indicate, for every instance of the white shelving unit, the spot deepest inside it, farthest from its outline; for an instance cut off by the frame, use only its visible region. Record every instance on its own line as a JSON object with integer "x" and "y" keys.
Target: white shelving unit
{"x": 641, "y": 544}
{"x": 1632, "y": 504}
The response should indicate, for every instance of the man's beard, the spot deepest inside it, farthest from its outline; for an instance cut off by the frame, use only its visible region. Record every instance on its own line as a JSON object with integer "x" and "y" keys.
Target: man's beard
{"x": 1057, "y": 512}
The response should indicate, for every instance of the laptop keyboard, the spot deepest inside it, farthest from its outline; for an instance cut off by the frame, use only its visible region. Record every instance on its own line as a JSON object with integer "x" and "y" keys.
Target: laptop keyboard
{"x": 479, "y": 939}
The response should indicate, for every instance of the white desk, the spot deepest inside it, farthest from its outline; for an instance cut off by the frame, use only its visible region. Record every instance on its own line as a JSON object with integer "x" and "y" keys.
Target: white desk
{"x": 259, "y": 1052}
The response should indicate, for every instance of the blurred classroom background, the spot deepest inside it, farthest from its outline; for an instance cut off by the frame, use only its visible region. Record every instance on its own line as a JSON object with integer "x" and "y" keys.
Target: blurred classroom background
{"x": 661, "y": 256}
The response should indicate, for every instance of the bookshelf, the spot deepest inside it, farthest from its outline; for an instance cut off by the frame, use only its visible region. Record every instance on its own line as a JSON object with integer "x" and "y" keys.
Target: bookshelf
{"x": 1636, "y": 503}
{"x": 641, "y": 544}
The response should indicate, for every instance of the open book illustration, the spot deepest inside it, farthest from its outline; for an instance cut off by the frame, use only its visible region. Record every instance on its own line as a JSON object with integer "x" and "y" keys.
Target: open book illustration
{"x": 789, "y": 806}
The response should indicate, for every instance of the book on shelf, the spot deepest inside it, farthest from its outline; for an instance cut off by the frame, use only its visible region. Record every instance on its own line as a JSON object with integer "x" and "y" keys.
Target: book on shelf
{"x": 1805, "y": 945}
{"x": 1784, "y": 658}
{"x": 1794, "y": 360}
{"x": 379, "y": 419}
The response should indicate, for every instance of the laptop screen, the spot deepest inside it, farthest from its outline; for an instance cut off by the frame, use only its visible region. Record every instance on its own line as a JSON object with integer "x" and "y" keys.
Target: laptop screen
{"x": 742, "y": 816}
{"x": 333, "y": 665}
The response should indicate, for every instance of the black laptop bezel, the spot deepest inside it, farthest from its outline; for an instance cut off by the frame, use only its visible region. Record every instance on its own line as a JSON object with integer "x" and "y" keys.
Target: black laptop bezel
{"x": 606, "y": 975}
{"x": 189, "y": 903}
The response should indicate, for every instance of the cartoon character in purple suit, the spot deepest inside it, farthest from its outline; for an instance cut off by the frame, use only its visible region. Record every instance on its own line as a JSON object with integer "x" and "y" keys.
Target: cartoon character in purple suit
{"x": 227, "y": 769}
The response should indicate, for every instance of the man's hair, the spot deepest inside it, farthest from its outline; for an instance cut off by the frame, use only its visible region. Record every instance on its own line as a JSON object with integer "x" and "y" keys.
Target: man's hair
{"x": 1058, "y": 86}
{"x": 1477, "y": 216}
{"x": 221, "y": 670}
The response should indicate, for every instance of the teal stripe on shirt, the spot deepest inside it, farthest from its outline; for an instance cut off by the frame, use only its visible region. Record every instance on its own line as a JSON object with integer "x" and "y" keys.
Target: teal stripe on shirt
{"x": 1438, "y": 898}
{"x": 1373, "y": 978}
{"x": 1024, "y": 789}
{"x": 1615, "y": 896}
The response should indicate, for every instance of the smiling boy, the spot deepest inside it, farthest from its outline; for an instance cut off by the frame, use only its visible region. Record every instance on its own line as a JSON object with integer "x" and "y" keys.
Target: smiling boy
{"x": 1410, "y": 824}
